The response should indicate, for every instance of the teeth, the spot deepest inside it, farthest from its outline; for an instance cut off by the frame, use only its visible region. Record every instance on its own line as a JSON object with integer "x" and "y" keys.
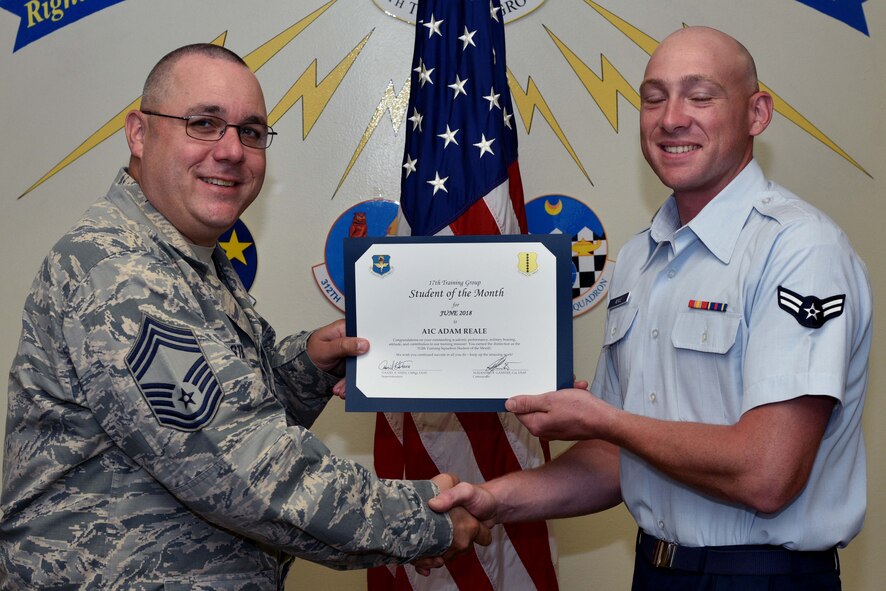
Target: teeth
{"x": 219, "y": 182}
{"x": 679, "y": 149}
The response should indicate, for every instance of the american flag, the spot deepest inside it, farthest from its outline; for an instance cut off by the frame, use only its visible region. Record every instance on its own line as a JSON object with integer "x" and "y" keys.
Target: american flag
{"x": 460, "y": 176}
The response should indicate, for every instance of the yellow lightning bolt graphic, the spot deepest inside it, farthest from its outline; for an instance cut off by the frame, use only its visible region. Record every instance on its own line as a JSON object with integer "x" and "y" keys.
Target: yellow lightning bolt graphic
{"x": 603, "y": 89}
{"x": 527, "y": 102}
{"x": 395, "y": 105}
{"x": 315, "y": 96}
{"x": 648, "y": 44}
{"x": 255, "y": 60}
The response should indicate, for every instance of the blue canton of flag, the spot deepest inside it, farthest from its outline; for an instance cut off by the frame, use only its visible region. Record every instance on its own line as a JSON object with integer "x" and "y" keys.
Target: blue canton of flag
{"x": 461, "y": 142}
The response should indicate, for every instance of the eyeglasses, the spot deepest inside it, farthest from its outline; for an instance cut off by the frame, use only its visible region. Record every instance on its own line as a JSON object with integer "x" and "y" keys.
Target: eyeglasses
{"x": 211, "y": 129}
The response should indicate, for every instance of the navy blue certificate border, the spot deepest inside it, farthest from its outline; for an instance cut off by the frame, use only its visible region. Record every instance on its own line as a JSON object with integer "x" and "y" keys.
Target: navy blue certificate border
{"x": 558, "y": 244}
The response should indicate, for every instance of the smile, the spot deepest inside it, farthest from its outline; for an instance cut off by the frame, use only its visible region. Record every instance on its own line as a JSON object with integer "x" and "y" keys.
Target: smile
{"x": 680, "y": 149}
{"x": 219, "y": 182}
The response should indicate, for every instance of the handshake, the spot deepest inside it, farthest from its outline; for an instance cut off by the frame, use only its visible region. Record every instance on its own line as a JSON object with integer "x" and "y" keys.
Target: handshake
{"x": 472, "y": 510}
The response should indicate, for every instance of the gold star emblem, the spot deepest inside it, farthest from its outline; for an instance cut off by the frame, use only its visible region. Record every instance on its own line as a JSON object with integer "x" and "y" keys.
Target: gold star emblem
{"x": 234, "y": 248}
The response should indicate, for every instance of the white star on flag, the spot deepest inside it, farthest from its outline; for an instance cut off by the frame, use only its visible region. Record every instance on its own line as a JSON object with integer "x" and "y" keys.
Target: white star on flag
{"x": 468, "y": 39}
{"x": 434, "y": 27}
{"x": 492, "y": 98}
{"x": 458, "y": 86}
{"x": 449, "y": 136}
{"x": 416, "y": 119}
{"x": 424, "y": 74}
{"x": 438, "y": 183}
{"x": 484, "y": 145}
{"x": 410, "y": 165}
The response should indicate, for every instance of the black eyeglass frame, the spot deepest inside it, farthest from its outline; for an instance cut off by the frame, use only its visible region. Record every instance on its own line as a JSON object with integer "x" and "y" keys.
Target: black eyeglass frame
{"x": 270, "y": 135}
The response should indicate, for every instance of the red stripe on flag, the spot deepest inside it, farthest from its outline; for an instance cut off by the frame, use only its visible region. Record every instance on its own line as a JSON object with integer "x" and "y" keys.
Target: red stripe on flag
{"x": 476, "y": 220}
{"x": 515, "y": 188}
{"x": 495, "y": 457}
{"x": 388, "y": 450}
{"x": 466, "y": 570}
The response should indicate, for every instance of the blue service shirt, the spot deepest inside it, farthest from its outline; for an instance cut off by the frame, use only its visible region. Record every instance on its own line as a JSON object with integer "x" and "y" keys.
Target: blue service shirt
{"x": 759, "y": 299}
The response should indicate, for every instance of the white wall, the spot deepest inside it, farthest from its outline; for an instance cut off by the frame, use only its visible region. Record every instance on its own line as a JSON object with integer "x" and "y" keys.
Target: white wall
{"x": 62, "y": 88}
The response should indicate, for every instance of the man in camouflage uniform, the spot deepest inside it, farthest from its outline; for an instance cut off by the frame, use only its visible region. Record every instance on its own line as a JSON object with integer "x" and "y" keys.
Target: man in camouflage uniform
{"x": 157, "y": 437}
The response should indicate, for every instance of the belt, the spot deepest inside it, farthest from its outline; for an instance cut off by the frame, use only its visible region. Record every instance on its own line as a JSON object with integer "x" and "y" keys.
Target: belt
{"x": 736, "y": 560}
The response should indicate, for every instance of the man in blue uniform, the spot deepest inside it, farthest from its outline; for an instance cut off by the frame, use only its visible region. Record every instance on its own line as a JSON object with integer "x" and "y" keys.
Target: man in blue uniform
{"x": 157, "y": 434}
{"x": 728, "y": 396}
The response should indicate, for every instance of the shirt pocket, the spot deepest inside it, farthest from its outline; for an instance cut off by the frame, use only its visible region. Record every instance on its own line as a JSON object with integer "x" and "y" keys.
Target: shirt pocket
{"x": 707, "y": 363}
{"x": 618, "y": 361}
{"x": 618, "y": 323}
{"x": 707, "y": 332}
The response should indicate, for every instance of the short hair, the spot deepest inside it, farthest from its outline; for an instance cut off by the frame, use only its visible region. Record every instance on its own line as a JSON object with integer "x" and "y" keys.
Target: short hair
{"x": 749, "y": 66}
{"x": 157, "y": 83}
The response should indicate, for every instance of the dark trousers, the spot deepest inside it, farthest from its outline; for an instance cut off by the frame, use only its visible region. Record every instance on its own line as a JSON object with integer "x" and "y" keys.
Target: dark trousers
{"x": 650, "y": 578}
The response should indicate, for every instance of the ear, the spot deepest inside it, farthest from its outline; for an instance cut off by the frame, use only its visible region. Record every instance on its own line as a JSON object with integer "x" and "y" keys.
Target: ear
{"x": 760, "y": 112}
{"x": 135, "y": 128}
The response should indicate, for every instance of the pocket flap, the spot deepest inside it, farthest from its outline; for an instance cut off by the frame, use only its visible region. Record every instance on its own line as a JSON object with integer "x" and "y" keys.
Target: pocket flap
{"x": 704, "y": 331}
{"x": 618, "y": 321}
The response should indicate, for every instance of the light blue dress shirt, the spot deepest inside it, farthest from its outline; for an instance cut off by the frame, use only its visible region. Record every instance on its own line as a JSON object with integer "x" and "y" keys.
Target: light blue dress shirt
{"x": 759, "y": 299}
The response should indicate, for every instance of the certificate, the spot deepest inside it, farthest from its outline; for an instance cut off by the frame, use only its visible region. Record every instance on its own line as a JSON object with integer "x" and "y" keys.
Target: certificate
{"x": 457, "y": 323}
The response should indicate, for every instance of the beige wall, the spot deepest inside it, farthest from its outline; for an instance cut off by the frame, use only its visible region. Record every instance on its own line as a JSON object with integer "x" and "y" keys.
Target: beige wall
{"x": 61, "y": 89}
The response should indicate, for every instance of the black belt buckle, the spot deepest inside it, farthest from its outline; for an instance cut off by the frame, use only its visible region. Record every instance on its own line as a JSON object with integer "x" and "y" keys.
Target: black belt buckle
{"x": 663, "y": 554}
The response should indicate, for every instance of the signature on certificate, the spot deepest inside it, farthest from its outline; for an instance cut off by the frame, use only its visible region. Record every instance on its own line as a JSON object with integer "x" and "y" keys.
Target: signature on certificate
{"x": 501, "y": 363}
{"x": 391, "y": 365}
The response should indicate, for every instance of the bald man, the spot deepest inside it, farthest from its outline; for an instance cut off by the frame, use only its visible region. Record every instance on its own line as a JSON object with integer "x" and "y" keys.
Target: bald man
{"x": 727, "y": 401}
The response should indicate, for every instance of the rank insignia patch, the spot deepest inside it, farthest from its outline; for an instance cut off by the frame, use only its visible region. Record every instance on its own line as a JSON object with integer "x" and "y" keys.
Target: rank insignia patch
{"x": 174, "y": 376}
{"x": 810, "y": 311}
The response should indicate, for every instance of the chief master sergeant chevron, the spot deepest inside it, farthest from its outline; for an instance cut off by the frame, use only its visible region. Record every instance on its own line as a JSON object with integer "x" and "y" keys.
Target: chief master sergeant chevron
{"x": 157, "y": 436}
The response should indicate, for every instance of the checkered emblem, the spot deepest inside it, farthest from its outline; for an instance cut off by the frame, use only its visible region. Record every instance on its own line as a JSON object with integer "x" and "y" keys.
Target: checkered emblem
{"x": 174, "y": 376}
{"x": 589, "y": 259}
{"x": 810, "y": 311}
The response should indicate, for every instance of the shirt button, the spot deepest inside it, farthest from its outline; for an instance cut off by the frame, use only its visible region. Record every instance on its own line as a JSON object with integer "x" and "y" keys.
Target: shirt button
{"x": 661, "y": 524}
{"x": 704, "y": 337}
{"x": 654, "y": 333}
{"x": 671, "y": 273}
{"x": 652, "y": 397}
{"x": 612, "y": 332}
{"x": 767, "y": 199}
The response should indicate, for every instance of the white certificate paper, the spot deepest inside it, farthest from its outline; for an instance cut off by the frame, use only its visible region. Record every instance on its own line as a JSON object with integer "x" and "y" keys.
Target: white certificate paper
{"x": 455, "y": 323}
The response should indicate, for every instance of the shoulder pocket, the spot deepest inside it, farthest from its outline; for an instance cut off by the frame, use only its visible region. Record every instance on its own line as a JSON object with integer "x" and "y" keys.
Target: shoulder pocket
{"x": 705, "y": 331}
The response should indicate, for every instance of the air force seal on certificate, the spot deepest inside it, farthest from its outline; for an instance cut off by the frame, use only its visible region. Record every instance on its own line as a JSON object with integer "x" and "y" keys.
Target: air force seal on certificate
{"x": 174, "y": 376}
{"x": 381, "y": 264}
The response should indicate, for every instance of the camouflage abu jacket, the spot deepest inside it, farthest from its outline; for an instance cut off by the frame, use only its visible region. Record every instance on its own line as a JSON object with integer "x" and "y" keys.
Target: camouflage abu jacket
{"x": 154, "y": 441}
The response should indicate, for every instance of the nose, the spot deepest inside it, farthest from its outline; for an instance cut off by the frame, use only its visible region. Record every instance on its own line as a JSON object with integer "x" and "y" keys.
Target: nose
{"x": 674, "y": 116}
{"x": 228, "y": 147}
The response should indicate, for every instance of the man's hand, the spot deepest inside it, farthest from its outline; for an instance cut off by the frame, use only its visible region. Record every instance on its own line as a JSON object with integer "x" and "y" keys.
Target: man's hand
{"x": 328, "y": 346}
{"x": 478, "y": 501}
{"x": 466, "y": 529}
{"x": 565, "y": 415}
